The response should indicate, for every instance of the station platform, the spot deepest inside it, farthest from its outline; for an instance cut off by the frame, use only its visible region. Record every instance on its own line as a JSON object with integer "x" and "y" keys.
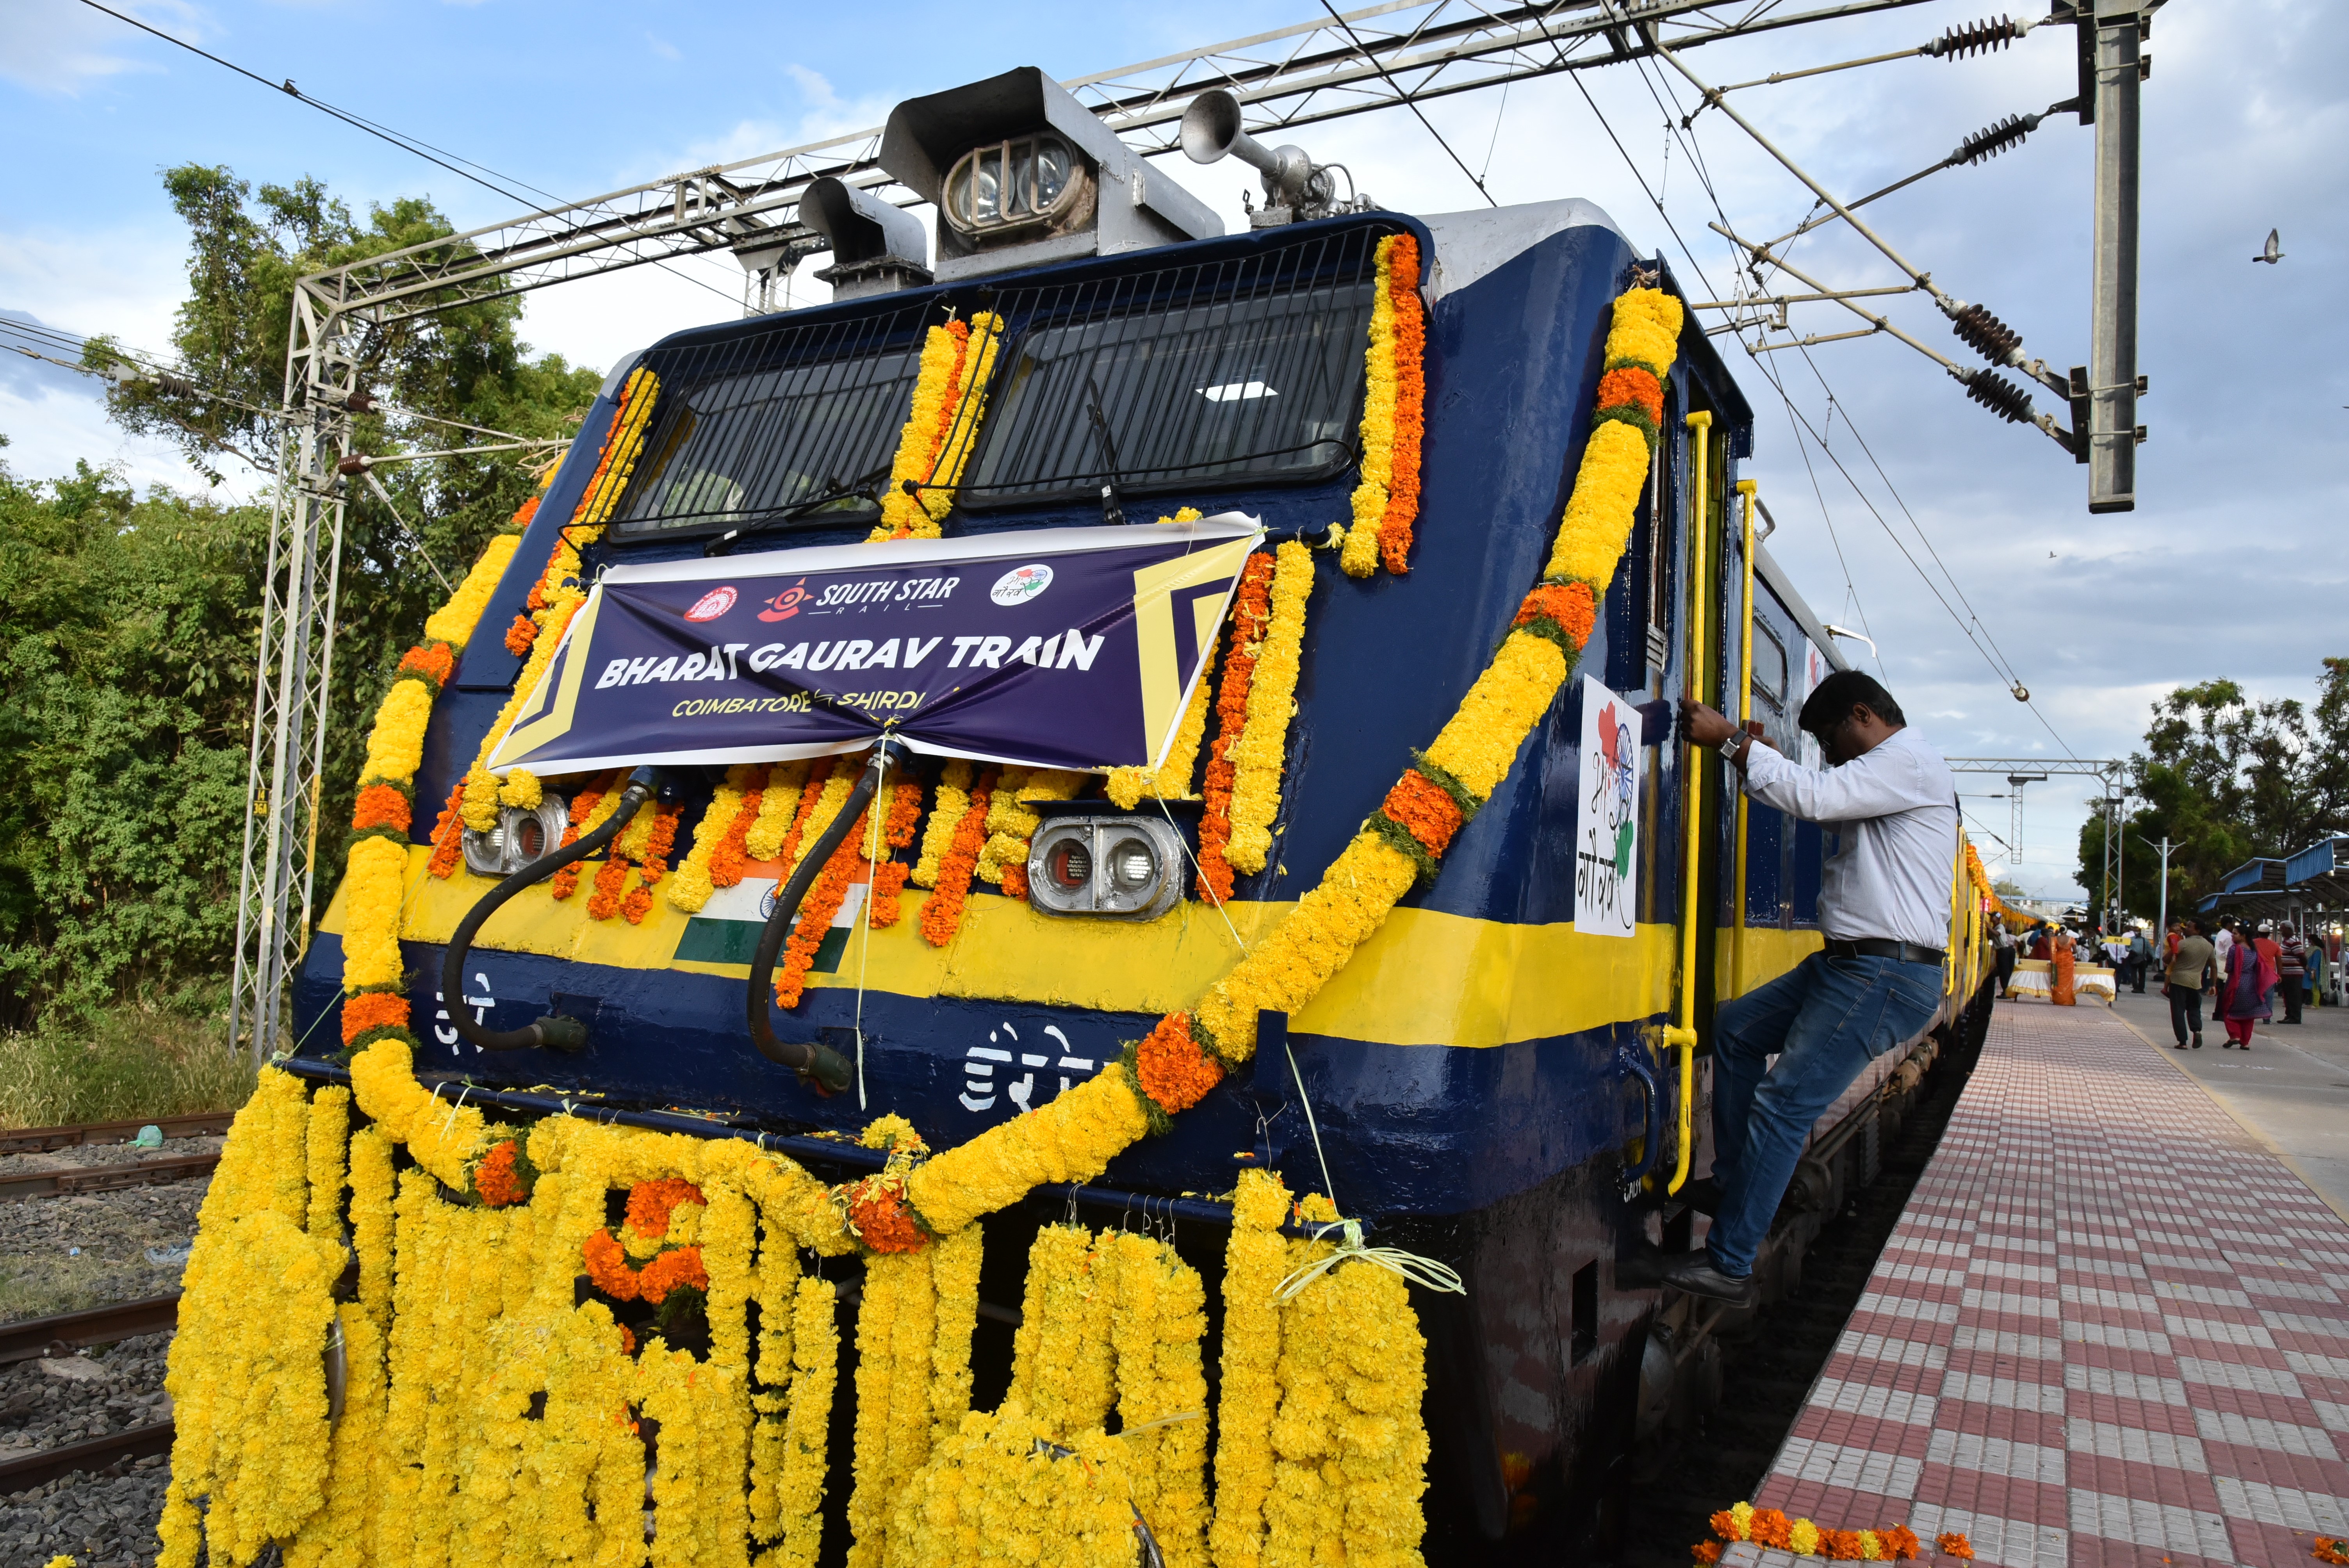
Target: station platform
{"x": 2110, "y": 1328}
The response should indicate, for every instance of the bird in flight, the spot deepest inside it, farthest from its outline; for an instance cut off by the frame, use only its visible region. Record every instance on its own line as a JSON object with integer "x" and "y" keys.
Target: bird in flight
{"x": 2273, "y": 251}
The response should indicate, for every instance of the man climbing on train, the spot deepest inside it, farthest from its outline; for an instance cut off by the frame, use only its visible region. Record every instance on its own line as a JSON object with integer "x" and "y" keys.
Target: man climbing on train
{"x": 1884, "y": 908}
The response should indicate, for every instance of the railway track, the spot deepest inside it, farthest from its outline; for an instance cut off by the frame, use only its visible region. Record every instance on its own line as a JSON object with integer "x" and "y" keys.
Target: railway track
{"x": 39, "y": 1139}
{"x": 16, "y": 1188}
{"x": 60, "y": 1335}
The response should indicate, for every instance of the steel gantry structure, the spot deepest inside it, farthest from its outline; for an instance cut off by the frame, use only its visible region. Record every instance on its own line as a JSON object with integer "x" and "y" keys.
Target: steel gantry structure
{"x": 1394, "y": 55}
{"x": 2109, "y": 773}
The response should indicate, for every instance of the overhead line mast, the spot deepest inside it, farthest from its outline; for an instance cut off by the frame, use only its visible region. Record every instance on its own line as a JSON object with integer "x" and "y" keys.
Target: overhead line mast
{"x": 1401, "y": 52}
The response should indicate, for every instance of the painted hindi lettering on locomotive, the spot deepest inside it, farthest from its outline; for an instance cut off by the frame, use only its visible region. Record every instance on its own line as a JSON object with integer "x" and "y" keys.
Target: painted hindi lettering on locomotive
{"x": 1607, "y": 830}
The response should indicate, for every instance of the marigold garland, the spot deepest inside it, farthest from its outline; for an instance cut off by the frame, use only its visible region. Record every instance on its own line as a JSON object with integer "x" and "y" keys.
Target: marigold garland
{"x": 1393, "y": 388}
{"x": 1251, "y": 608}
{"x": 1003, "y": 858}
{"x": 1255, "y": 1260}
{"x": 1257, "y": 756}
{"x": 950, "y": 882}
{"x": 823, "y": 902}
{"x": 958, "y": 359}
{"x": 691, "y": 888}
{"x": 780, "y": 805}
{"x": 950, "y": 800}
{"x": 558, "y": 593}
{"x": 1806, "y": 1537}
{"x": 2327, "y": 1550}
{"x": 653, "y": 866}
{"x": 1127, "y": 785}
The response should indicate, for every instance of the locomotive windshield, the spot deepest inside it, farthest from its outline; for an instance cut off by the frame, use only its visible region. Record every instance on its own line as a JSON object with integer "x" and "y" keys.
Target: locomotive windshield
{"x": 789, "y": 419}
{"x": 1246, "y": 369}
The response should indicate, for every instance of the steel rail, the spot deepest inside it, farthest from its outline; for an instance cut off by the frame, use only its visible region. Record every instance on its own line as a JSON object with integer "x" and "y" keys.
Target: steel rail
{"x": 49, "y": 1339}
{"x": 33, "y": 1139}
{"x": 103, "y": 1178}
{"x": 91, "y": 1454}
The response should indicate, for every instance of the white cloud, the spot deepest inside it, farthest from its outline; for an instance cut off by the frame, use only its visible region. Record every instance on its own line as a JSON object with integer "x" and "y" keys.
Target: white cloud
{"x": 61, "y": 47}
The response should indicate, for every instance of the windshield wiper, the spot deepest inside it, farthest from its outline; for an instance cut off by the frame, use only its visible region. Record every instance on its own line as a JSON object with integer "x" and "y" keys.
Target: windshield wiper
{"x": 1111, "y": 512}
{"x": 833, "y": 491}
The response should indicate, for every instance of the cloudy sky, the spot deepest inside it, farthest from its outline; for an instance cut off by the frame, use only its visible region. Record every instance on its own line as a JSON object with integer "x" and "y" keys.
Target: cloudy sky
{"x": 2230, "y": 565}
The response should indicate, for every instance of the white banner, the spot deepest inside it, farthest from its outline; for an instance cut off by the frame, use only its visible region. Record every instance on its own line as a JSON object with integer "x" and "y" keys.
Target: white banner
{"x": 1606, "y": 826}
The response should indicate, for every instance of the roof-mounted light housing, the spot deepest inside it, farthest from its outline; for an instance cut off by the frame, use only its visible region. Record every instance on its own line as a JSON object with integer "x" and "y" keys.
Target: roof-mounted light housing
{"x": 1080, "y": 191}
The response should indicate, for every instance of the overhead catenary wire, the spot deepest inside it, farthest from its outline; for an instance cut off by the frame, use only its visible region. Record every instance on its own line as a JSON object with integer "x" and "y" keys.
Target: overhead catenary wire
{"x": 1379, "y": 65}
{"x": 1996, "y": 660}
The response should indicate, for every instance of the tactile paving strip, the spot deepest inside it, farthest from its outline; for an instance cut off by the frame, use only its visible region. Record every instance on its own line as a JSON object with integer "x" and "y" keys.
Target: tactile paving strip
{"x": 2109, "y": 1329}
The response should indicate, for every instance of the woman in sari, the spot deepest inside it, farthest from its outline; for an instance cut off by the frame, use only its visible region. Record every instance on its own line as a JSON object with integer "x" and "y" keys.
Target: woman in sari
{"x": 2064, "y": 964}
{"x": 2242, "y": 995}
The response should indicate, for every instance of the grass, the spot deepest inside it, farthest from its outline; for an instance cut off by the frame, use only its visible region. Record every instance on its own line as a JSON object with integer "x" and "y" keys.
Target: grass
{"x": 134, "y": 1062}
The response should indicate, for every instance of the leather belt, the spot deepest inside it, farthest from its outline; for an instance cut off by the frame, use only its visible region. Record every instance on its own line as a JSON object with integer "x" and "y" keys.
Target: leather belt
{"x": 1883, "y": 947}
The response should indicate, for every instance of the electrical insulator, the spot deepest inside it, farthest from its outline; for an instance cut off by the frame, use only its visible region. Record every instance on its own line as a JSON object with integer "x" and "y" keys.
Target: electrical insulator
{"x": 175, "y": 386}
{"x": 355, "y": 464}
{"x": 360, "y": 402}
{"x": 1986, "y": 334}
{"x": 1999, "y": 394}
{"x": 1992, "y": 139}
{"x": 1977, "y": 37}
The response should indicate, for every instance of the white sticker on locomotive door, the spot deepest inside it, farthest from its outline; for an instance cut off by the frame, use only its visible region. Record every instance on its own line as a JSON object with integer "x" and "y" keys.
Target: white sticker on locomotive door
{"x": 1606, "y": 827}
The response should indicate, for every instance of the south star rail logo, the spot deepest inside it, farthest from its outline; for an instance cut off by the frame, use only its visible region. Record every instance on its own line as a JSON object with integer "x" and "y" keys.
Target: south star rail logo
{"x": 712, "y": 605}
{"x": 786, "y": 605}
{"x": 1021, "y": 584}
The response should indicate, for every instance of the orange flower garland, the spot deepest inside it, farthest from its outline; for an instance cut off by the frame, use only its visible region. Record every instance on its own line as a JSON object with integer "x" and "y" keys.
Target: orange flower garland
{"x": 604, "y": 902}
{"x": 652, "y": 1203}
{"x": 382, "y": 806}
{"x": 1805, "y": 1538}
{"x": 496, "y": 1180}
{"x": 1170, "y": 1068}
{"x": 608, "y": 1271}
{"x": 448, "y": 838}
{"x": 522, "y": 635}
{"x": 809, "y": 795}
{"x": 1411, "y": 399}
{"x": 565, "y": 882}
{"x": 1955, "y": 1544}
{"x": 371, "y": 1010}
{"x": 881, "y": 1217}
{"x": 942, "y": 915}
{"x": 2328, "y": 1550}
{"x": 823, "y": 902}
{"x": 1250, "y": 609}
{"x": 730, "y": 862}
{"x": 655, "y": 866}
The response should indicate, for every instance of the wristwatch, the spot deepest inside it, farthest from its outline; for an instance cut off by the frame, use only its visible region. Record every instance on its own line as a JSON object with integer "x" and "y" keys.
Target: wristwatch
{"x": 1734, "y": 744}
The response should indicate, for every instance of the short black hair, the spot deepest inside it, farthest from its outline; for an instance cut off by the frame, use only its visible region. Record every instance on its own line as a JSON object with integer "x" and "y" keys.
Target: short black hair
{"x": 1842, "y": 691}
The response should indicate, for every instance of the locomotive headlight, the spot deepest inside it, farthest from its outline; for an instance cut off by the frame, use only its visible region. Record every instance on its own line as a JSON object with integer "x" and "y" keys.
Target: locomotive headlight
{"x": 1020, "y": 183}
{"x": 1117, "y": 868}
{"x": 521, "y": 837}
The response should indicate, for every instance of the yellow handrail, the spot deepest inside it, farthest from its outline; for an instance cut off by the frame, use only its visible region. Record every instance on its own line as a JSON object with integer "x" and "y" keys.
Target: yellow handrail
{"x": 1682, "y": 1035}
{"x": 1746, "y": 491}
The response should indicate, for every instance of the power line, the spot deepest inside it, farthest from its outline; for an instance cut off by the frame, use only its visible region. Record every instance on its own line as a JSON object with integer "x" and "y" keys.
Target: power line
{"x": 1379, "y": 65}
{"x": 405, "y": 143}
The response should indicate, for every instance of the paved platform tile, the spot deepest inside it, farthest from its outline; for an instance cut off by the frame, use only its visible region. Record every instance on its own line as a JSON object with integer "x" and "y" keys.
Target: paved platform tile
{"x": 2110, "y": 1328}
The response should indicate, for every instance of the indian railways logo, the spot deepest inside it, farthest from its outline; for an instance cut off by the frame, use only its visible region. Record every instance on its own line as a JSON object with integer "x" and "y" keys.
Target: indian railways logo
{"x": 786, "y": 605}
{"x": 712, "y": 605}
{"x": 1020, "y": 584}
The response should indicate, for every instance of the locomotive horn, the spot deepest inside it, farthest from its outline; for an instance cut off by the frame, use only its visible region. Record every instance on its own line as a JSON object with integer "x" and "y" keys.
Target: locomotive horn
{"x": 1211, "y": 131}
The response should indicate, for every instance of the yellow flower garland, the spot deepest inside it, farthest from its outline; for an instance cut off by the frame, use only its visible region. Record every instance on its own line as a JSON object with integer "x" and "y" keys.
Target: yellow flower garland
{"x": 946, "y": 808}
{"x": 1127, "y": 785}
{"x": 689, "y": 886}
{"x": 1382, "y": 1441}
{"x": 1358, "y": 555}
{"x": 1255, "y": 1261}
{"x": 560, "y": 589}
{"x": 815, "y": 1345}
{"x": 1157, "y": 1322}
{"x": 940, "y": 428}
{"x": 778, "y": 804}
{"x": 1263, "y": 745}
{"x": 954, "y": 1269}
{"x": 1010, "y": 824}
{"x": 992, "y": 1495}
{"x": 453, "y": 623}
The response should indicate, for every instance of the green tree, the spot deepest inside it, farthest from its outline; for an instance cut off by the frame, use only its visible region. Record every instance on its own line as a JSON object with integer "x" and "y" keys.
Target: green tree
{"x": 134, "y": 741}
{"x": 127, "y": 630}
{"x": 2225, "y": 779}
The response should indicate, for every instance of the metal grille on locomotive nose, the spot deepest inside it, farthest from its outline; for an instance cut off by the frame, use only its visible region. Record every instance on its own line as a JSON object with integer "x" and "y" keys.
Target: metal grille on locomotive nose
{"x": 1246, "y": 369}
{"x": 764, "y": 423}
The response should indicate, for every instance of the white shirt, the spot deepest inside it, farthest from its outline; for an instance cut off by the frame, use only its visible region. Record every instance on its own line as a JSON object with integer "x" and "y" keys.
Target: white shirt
{"x": 2219, "y": 944}
{"x": 1895, "y": 812}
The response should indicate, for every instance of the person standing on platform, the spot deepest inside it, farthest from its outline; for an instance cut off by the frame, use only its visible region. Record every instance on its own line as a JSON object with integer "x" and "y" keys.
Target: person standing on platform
{"x": 2291, "y": 971}
{"x": 2224, "y": 939}
{"x": 2243, "y": 988}
{"x": 2192, "y": 966}
{"x": 1884, "y": 908}
{"x": 2066, "y": 969}
{"x": 2140, "y": 959}
{"x": 2270, "y": 960}
{"x": 2002, "y": 943}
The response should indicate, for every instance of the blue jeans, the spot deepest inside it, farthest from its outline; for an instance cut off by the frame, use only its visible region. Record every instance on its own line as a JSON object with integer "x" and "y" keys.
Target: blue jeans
{"x": 1827, "y": 1018}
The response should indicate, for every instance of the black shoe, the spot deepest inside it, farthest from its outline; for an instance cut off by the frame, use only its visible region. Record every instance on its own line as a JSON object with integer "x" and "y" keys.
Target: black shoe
{"x": 2197, "y": 1042}
{"x": 1696, "y": 1275}
{"x": 2179, "y": 1047}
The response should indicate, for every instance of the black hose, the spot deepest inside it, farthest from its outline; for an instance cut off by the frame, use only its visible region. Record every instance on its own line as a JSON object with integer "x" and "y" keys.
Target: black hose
{"x": 563, "y": 1034}
{"x": 827, "y": 1070}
